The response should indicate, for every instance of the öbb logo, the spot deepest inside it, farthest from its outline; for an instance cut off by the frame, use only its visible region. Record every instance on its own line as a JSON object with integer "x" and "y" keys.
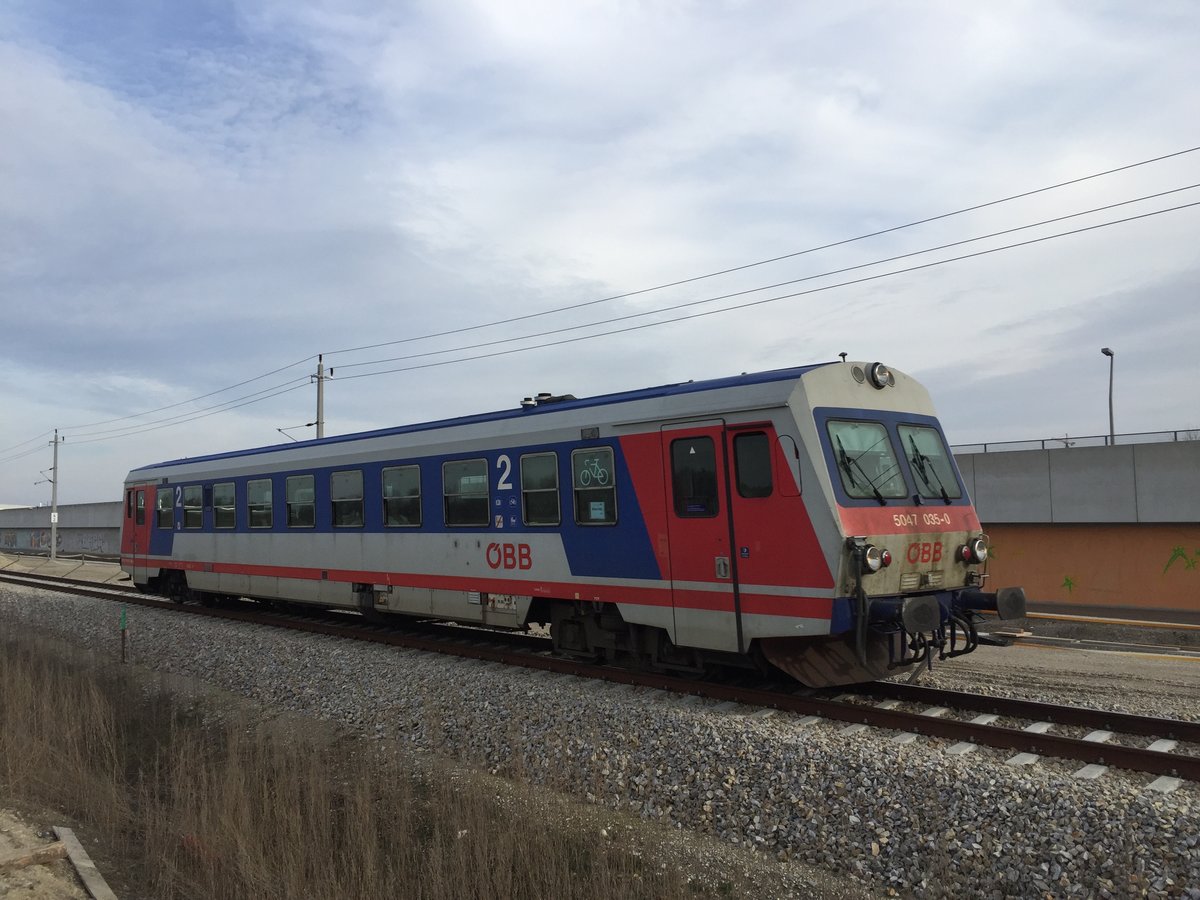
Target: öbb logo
{"x": 924, "y": 551}
{"x": 509, "y": 556}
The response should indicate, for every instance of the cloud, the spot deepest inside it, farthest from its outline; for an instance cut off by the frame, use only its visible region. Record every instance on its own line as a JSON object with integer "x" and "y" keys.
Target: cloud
{"x": 200, "y": 193}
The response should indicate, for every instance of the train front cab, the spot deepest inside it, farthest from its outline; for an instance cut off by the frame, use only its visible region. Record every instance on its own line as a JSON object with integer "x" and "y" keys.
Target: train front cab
{"x": 910, "y": 550}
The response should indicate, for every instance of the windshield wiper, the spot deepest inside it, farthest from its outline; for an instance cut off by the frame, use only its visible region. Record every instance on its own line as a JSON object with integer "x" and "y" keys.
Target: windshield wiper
{"x": 919, "y": 460}
{"x": 847, "y": 462}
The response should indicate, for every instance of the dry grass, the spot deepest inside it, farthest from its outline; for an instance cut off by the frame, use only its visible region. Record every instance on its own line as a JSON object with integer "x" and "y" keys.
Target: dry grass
{"x": 193, "y": 805}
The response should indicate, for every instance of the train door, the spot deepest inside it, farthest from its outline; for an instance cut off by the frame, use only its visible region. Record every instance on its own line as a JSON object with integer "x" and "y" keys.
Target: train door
{"x": 135, "y": 535}
{"x": 704, "y": 586}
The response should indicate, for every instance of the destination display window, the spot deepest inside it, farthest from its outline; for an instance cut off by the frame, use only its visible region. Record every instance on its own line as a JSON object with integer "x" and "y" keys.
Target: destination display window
{"x": 258, "y": 502}
{"x": 752, "y": 462}
{"x": 929, "y": 460}
{"x": 301, "y": 501}
{"x": 193, "y": 506}
{"x": 539, "y": 489}
{"x": 865, "y": 460}
{"x": 402, "y": 496}
{"x": 224, "y": 505}
{"x": 594, "y": 479}
{"x": 164, "y": 509}
{"x": 694, "y": 477}
{"x": 465, "y": 492}
{"x": 346, "y": 494}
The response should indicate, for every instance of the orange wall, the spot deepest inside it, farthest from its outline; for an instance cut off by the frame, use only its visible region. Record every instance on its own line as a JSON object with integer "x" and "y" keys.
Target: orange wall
{"x": 1144, "y": 566}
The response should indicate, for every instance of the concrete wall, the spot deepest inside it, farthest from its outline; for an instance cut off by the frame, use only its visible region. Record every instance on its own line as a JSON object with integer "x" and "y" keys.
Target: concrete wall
{"x": 1127, "y": 483}
{"x": 91, "y": 528}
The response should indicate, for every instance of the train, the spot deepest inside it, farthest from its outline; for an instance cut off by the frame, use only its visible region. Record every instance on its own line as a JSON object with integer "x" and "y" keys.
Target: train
{"x": 807, "y": 520}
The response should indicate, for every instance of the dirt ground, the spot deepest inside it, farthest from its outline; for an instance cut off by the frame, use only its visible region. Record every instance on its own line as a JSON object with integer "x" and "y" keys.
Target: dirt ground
{"x": 54, "y": 881}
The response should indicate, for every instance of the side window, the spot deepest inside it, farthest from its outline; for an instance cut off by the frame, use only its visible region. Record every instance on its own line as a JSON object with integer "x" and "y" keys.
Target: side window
{"x": 539, "y": 489}
{"x": 258, "y": 502}
{"x": 193, "y": 506}
{"x": 594, "y": 478}
{"x": 141, "y": 508}
{"x": 129, "y": 504}
{"x": 465, "y": 492}
{"x": 165, "y": 508}
{"x": 301, "y": 501}
{"x": 224, "y": 505}
{"x": 752, "y": 460}
{"x": 694, "y": 477}
{"x": 346, "y": 493}
{"x": 402, "y": 496}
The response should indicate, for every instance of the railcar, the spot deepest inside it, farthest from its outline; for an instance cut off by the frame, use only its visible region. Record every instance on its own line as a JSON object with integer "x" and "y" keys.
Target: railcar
{"x": 811, "y": 519}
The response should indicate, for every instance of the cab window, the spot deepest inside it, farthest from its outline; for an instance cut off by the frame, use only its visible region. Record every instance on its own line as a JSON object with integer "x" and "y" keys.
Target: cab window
{"x": 865, "y": 460}
{"x": 752, "y": 461}
{"x": 929, "y": 460}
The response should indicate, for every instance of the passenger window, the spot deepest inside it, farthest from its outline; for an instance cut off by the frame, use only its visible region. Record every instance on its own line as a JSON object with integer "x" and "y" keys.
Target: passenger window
{"x": 594, "y": 479}
{"x": 301, "y": 501}
{"x": 165, "y": 509}
{"x": 193, "y": 506}
{"x": 694, "y": 477}
{"x": 258, "y": 502}
{"x": 752, "y": 460}
{"x": 465, "y": 492}
{"x": 346, "y": 493}
{"x": 129, "y": 504}
{"x": 141, "y": 508}
{"x": 402, "y": 496}
{"x": 539, "y": 489}
{"x": 224, "y": 505}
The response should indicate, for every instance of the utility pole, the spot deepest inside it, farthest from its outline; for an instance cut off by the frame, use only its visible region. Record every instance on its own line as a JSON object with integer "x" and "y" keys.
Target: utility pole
{"x": 319, "y": 378}
{"x": 54, "y": 498}
{"x": 1112, "y": 433}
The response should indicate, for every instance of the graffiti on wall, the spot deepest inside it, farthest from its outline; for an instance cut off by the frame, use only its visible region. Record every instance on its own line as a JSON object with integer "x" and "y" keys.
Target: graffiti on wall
{"x": 1178, "y": 554}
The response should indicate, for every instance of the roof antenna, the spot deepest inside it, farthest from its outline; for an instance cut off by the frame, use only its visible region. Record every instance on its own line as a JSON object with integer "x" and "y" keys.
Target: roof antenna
{"x": 843, "y": 355}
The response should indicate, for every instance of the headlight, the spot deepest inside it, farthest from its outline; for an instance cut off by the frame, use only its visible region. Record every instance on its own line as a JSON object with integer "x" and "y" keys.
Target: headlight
{"x": 974, "y": 551}
{"x": 881, "y": 375}
{"x": 874, "y": 559}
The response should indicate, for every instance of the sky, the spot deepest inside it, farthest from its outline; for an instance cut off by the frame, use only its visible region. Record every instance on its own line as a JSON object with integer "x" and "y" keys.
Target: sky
{"x": 194, "y": 195}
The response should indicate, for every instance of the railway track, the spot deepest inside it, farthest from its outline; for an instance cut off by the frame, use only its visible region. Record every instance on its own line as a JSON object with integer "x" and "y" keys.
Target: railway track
{"x": 875, "y": 705}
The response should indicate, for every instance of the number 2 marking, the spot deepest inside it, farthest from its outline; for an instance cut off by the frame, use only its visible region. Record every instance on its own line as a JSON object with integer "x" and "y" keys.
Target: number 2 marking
{"x": 178, "y": 496}
{"x": 503, "y": 462}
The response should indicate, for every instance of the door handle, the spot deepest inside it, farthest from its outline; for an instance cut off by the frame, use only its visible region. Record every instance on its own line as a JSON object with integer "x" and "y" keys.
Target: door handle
{"x": 722, "y": 566}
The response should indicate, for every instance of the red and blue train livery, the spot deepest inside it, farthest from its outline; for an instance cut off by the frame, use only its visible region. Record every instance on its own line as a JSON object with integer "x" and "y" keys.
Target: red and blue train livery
{"x": 811, "y": 519}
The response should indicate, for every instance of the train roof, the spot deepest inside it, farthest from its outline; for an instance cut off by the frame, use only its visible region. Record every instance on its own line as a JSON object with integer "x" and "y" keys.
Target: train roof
{"x": 557, "y": 406}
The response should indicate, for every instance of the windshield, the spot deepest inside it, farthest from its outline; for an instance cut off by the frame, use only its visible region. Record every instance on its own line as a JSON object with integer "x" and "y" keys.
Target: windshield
{"x": 931, "y": 466}
{"x": 866, "y": 460}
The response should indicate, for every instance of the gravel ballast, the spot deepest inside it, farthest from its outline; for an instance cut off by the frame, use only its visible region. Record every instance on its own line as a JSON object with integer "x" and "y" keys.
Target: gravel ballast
{"x": 910, "y": 818}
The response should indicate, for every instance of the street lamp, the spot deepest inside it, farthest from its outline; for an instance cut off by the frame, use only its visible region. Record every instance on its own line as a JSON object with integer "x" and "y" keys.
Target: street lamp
{"x": 1111, "y": 360}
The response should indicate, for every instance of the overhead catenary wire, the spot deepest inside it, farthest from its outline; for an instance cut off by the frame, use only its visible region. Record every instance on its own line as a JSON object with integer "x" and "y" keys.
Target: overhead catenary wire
{"x": 816, "y": 290}
{"x": 773, "y": 259}
{"x": 827, "y": 274}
